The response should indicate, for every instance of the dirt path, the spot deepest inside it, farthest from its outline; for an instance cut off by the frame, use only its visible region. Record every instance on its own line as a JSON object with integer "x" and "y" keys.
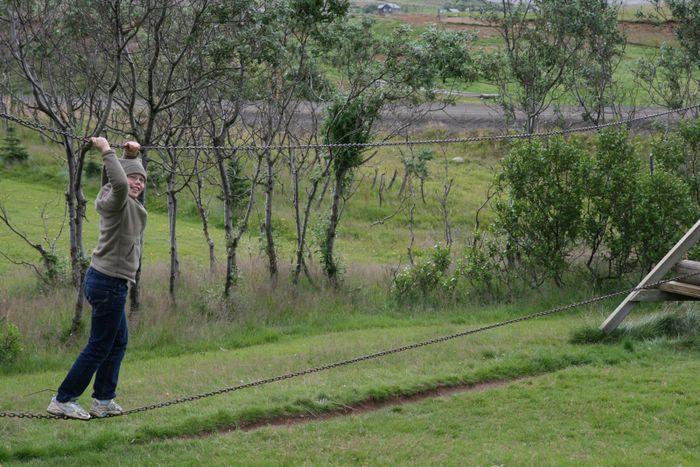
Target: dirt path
{"x": 468, "y": 117}
{"x": 358, "y": 409}
{"x": 638, "y": 32}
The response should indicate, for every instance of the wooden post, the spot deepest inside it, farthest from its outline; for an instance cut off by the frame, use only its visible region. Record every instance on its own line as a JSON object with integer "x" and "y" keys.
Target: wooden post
{"x": 676, "y": 253}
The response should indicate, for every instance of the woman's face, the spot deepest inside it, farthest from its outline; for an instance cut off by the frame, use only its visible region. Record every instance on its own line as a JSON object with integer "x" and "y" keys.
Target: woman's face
{"x": 136, "y": 185}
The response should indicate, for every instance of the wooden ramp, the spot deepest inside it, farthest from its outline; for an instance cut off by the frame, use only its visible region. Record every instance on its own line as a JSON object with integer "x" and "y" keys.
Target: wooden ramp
{"x": 687, "y": 289}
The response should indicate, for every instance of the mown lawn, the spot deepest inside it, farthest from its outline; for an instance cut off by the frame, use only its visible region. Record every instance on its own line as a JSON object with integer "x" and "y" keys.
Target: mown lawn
{"x": 625, "y": 403}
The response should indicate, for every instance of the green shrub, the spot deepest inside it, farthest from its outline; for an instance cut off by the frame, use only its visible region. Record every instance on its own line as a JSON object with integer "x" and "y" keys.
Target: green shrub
{"x": 10, "y": 342}
{"x": 543, "y": 186}
{"x": 423, "y": 277}
{"x": 664, "y": 211}
{"x": 612, "y": 187}
{"x": 478, "y": 266}
{"x": 12, "y": 150}
{"x": 93, "y": 169}
{"x": 678, "y": 152}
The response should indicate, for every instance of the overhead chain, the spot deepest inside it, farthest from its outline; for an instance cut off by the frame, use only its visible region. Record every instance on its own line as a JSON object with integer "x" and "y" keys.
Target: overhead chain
{"x": 468, "y": 139}
{"x": 362, "y": 358}
{"x": 38, "y": 126}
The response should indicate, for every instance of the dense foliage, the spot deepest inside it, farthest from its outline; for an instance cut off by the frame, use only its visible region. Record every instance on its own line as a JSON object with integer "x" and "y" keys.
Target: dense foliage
{"x": 564, "y": 208}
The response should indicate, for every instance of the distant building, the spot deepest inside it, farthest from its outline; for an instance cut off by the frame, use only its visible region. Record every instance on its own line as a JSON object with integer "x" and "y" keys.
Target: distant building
{"x": 385, "y": 8}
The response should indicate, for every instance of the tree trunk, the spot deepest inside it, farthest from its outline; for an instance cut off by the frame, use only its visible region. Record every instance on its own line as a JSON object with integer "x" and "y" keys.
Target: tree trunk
{"x": 330, "y": 265}
{"x": 74, "y": 218}
{"x": 172, "y": 218}
{"x": 79, "y": 306}
{"x": 228, "y": 223}
{"x": 75, "y": 201}
{"x": 267, "y": 226}
{"x": 299, "y": 256}
{"x": 302, "y": 223}
{"x": 204, "y": 216}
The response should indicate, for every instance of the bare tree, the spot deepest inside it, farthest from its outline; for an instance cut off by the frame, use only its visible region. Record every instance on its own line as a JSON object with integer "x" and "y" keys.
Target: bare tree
{"x": 164, "y": 66}
{"x": 415, "y": 165}
{"x": 179, "y": 174}
{"x": 444, "y": 196}
{"x": 46, "y": 249}
{"x": 202, "y": 203}
{"x": 70, "y": 57}
{"x": 290, "y": 77}
{"x": 241, "y": 40}
{"x": 308, "y": 170}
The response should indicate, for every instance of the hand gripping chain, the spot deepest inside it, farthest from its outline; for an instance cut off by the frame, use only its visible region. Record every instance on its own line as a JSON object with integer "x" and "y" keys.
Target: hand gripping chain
{"x": 362, "y": 358}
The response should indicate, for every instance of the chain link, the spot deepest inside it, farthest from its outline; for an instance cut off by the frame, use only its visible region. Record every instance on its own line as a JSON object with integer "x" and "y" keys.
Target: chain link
{"x": 33, "y": 415}
{"x": 363, "y": 358}
{"x": 468, "y": 139}
{"x": 41, "y": 127}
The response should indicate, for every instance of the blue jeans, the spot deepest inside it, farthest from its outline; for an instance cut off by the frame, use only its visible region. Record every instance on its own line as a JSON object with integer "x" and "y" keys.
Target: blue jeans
{"x": 103, "y": 354}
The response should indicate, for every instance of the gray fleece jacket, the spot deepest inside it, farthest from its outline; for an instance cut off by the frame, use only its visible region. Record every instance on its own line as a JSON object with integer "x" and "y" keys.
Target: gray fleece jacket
{"x": 122, "y": 222}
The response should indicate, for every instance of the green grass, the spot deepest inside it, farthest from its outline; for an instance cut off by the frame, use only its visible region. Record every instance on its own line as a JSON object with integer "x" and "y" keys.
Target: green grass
{"x": 576, "y": 416}
{"x": 26, "y": 189}
{"x": 577, "y": 394}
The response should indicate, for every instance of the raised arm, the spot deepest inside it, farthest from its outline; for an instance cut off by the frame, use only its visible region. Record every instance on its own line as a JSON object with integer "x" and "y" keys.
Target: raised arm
{"x": 114, "y": 198}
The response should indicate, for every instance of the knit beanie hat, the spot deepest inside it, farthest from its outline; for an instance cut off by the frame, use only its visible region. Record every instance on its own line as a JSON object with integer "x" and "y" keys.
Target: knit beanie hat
{"x": 133, "y": 166}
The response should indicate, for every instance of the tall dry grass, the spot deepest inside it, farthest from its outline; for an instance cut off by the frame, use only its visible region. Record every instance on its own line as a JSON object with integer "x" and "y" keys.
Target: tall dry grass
{"x": 198, "y": 315}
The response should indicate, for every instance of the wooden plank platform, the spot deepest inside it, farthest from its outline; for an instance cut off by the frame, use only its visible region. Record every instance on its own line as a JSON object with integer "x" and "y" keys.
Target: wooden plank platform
{"x": 656, "y": 295}
{"x": 685, "y": 267}
{"x": 671, "y": 259}
{"x": 689, "y": 290}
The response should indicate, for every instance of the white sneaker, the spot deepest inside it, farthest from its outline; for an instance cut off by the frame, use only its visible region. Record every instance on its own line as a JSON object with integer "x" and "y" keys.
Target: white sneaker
{"x": 69, "y": 409}
{"x": 102, "y": 409}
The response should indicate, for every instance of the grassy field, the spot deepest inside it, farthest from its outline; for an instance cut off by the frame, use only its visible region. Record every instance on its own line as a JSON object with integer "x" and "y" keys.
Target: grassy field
{"x": 555, "y": 402}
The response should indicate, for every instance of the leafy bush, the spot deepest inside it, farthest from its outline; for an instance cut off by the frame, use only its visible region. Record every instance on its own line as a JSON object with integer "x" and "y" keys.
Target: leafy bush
{"x": 239, "y": 186}
{"x": 561, "y": 207}
{"x": 611, "y": 198}
{"x": 678, "y": 152}
{"x": 423, "y": 277}
{"x": 664, "y": 211}
{"x": 540, "y": 211}
{"x": 479, "y": 266}
{"x": 10, "y": 342}
{"x": 92, "y": 168}
{"x": 668, "y": 76}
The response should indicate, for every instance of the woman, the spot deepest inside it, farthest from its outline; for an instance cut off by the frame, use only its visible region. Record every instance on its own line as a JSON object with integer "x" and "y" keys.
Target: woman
{"x": 114, "y": 264}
